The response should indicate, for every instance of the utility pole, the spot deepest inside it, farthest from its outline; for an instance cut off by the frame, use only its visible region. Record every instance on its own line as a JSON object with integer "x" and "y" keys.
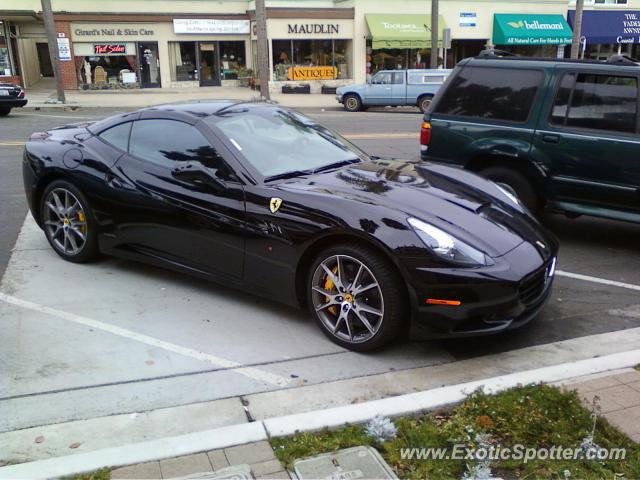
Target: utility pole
{"x": 577, "y": 29}
{"x": 434, "y": 33}
{"x": 53, "y": 47}
{"x": 263, "y": 48}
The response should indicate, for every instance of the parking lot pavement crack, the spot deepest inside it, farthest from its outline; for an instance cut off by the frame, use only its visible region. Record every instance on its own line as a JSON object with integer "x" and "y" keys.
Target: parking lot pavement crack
{"x": 250, "y": 372}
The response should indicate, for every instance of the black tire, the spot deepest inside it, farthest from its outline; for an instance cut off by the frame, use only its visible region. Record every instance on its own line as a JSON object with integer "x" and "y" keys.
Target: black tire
{"x": 352, "y": 102}
{"x": 4, "y": 111}
{"x": 424, "y": 102}
{"x": 390, "y": 297}
{"x": 89, "y": 250}
{"x": 518, "y": 183}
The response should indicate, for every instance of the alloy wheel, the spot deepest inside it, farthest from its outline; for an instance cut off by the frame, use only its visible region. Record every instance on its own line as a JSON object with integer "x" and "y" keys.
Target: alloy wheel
{"x": 65, "y": 221}
{"x": 347, "y": 298}
{"x": 352, "y": 103}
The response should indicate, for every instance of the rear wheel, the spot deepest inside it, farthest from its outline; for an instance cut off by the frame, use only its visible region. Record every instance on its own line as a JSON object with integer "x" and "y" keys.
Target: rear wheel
{"x": 352, "y": 103}
{"x": 4, "y": 111}
{"x": 356, "y": 297}
{"x": 515, "y": 182}
{"x": 68, "y": 223}
{"x": 424, "y": 102}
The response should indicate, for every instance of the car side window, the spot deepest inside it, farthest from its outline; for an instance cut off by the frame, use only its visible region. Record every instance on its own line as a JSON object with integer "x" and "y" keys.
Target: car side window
{"x": 602, "y": 102}
{"x": 117, "y": 136}
{"x": 491, "y": 93}
{"x": 382, "y": 78}
{"x": 398, "y": 78}
{"x": 563, "y": 97}
{"x": 169, "y": 142}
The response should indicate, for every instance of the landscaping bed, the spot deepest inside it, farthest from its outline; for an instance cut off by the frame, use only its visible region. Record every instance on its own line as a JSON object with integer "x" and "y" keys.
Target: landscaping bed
{"x": 536, "y": 417}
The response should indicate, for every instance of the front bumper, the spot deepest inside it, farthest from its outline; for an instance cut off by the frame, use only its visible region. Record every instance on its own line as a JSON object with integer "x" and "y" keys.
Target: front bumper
{"x": 339, "y": 98}
{"x": 493, "y": 299}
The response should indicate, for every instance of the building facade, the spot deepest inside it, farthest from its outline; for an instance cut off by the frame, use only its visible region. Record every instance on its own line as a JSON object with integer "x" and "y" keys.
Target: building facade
{"x": 317, "y": 43}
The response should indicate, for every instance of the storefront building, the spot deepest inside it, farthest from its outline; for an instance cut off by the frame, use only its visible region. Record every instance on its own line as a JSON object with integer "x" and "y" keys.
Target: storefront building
{"x": 609, "y": 32}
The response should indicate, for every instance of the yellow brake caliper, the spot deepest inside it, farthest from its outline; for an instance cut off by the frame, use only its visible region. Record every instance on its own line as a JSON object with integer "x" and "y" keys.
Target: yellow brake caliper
{"x": 82, "y": 218}
{"x": 328, "y": 286}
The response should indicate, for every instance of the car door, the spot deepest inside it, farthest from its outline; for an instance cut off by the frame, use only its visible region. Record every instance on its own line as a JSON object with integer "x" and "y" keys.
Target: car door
{"x": 589, "y": 144}
{"x": 170, "y": 210}
{"x": 379, "y": 90}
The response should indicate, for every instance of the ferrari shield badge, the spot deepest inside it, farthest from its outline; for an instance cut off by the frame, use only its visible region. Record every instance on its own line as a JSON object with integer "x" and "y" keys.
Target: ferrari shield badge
{"x": 274, "y": 204}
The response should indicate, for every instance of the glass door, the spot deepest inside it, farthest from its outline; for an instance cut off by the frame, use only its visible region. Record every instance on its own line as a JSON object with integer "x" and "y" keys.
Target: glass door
{"x": 149, "y": 64}
{"x": 209, "y": 63}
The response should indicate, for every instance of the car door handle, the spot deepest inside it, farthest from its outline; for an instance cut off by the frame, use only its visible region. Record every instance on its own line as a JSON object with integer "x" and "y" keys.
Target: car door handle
{"x": 551, "y": 138}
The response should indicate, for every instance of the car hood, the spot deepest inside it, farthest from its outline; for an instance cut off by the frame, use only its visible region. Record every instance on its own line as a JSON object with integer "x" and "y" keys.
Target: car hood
{"x": 463, "y": 204}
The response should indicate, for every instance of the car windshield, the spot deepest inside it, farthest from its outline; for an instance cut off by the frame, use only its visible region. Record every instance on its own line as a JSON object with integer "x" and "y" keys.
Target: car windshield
{"x": 278, "y": 142}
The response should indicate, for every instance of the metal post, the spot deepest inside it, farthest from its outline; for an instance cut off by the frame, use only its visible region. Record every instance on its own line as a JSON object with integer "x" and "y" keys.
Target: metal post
{"x": 53, "y": 48}
{"x": 577, "y": 29}
{"x": 434, "y": 34}
{"x": 263, "y": 49}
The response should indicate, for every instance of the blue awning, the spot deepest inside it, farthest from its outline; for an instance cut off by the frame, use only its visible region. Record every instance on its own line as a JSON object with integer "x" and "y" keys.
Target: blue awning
{"x": 605, "y": 27}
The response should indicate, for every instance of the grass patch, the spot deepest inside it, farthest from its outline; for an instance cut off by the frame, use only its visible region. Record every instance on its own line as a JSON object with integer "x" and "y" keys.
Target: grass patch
{"x": 102, "y": 474}
{"x": 637, "y": 367}
{"x": 535, "y": 416}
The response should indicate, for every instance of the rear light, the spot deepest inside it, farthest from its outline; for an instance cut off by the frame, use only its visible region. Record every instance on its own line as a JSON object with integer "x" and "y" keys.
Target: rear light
{"x": 21, "y": 94}
{"x": 425, "y": 134}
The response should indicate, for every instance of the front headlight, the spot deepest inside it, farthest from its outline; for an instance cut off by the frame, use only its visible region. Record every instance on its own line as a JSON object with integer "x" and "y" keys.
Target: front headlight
{"x": 447, "y": 246}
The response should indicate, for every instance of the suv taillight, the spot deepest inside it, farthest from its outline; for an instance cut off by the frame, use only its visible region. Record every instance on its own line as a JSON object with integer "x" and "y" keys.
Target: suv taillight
{"x": 425, "y": 134}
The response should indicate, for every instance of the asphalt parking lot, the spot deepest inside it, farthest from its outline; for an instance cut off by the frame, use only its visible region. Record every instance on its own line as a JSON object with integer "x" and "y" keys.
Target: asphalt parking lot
{"x": 83, "y": 341}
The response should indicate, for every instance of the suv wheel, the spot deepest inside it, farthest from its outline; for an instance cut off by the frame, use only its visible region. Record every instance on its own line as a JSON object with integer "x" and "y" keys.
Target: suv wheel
{"x": 424, "y": 102}
{"x": 352, "y": 103}
{"x": 517, "y": 183}
{"x": 356, "y": 297}
{"x": 4, "y": 111}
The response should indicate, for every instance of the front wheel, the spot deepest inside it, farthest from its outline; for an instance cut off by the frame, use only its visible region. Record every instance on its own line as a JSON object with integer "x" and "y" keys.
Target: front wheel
{"x": 352, "y": 103}
{"x": 4, "y": 111}
{"x": 515, "y": 182}
{"x": 424, "y": 102}
{"x": 357, "y": 297}
{"x": 68, "y": 222}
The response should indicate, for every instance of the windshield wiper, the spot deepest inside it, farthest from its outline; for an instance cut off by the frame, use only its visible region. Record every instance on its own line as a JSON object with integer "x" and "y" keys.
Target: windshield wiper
{"x": 300, "y": 173}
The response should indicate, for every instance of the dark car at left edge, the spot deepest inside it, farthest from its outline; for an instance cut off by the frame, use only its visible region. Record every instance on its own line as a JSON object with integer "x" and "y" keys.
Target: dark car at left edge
{"x": 257, "y": 197}
{"x": 11, "y": 96}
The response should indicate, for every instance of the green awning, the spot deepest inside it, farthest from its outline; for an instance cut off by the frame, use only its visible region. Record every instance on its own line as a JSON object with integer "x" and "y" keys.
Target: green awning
{"x": 530, "y": 29}
{"x": 402, "y": 30}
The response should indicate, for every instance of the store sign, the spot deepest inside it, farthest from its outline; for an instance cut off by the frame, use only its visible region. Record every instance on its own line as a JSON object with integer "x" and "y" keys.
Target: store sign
{"x": 211, "y": 26}
{"x": 313, "y": 28}
{"x": 605, "y": 27}
{"x": 112, "y": 32}
{"x": 468, "y": 19}
{"x": 312, "y": 73}
{"x": 118, "y": 49}
{"x": 64, "y": 49}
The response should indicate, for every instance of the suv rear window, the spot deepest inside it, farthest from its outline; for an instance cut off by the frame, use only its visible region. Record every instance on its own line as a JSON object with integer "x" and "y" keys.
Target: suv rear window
{"x": 599, "y": 102}
{"x": 491, "y": 93}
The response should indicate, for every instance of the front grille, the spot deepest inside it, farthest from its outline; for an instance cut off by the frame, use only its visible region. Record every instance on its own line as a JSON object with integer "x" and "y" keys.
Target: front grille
{"x": 532, "y": 287}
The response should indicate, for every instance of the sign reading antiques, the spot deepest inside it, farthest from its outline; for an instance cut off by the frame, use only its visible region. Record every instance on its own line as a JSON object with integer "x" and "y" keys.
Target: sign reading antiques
{"x": 313, "y": 28}
{"x": 312, "y": 73}
{"x": 117, "y": 49}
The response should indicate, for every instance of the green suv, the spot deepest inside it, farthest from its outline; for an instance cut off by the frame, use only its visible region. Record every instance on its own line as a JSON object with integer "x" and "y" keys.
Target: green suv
{"x": 561, "y": 134}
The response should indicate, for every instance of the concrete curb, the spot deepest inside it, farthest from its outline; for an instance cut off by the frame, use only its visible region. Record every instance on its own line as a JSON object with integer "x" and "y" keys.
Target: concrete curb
{"x": 279, "y": 426}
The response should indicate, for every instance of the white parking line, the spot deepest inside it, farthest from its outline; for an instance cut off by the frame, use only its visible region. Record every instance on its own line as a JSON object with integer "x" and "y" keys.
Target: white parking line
{"x": 51, "y": 116}
{"x": 250, "y": 372}
{"x": 602, "y": 281}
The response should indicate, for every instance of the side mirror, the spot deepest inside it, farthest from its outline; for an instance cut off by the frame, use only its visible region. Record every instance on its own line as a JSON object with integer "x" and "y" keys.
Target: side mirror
{"x": 197, "y": 174}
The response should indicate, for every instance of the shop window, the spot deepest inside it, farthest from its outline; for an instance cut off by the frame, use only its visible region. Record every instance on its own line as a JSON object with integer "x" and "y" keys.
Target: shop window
{"x": 398, "y": 59}
{"x": 107, "y": 71}
{"x": 6, "y": 67}
{"x": 182, "y": 57}
{"x": 316, "y": 53}
{"x": 491, "y": 93}
{"x": 233, "y": 60}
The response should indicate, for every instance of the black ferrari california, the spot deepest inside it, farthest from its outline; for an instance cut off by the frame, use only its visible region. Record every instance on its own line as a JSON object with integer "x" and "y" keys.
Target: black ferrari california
{"x": 258, "y": 197}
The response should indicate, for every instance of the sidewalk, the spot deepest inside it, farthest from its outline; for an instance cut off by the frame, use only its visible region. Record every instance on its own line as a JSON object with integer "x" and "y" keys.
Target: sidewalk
{"x": 155, "y": 96}
{"x": 618, "y": 398}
